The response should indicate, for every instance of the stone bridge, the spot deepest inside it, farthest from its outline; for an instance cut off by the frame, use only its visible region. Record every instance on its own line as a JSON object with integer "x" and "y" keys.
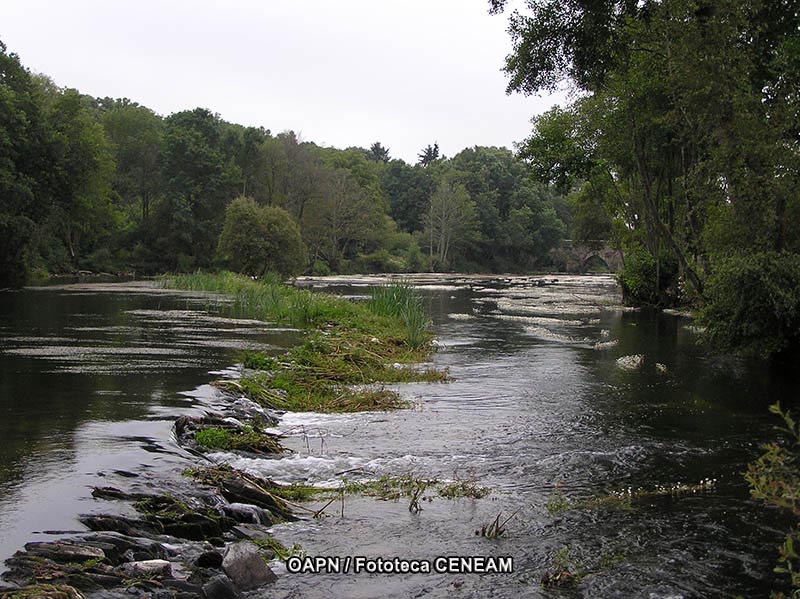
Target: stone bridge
{"x": 586, "y": 256}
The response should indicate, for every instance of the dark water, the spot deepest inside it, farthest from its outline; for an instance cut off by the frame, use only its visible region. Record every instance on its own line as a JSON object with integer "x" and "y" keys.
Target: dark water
{"x": 92, "y": 378}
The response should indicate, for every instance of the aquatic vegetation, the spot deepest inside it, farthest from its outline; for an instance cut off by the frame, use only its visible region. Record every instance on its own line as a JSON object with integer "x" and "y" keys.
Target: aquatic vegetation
{"x": 396, "y": 311}
{"x": 389, "y": 488}
{"x": 568, "y": 566}
{"x": 561, "y": 571}
{"x": 334, "y": 371}
{"x": 392, "y": 488}
{"x": 272, "y": 548}
{"x": 496, "y": 528}
{"x": 231, "y": 438}
{"x": 336, "y": 368}
{"x": 457, "y": 489}
{"x": 624, "y": 499}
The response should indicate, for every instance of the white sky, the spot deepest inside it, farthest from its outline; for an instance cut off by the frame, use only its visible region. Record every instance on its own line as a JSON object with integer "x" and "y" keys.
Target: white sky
{"x": 340, "y": 73}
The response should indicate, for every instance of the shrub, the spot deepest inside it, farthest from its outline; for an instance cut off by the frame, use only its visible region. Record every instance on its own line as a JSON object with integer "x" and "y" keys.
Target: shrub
{"x": 256, "y": 239}
{"x": 773, "y": 479}
{"x": 320, "y": 269}
{"x": 645, "y": 281}
{"x": 753, "y": 304}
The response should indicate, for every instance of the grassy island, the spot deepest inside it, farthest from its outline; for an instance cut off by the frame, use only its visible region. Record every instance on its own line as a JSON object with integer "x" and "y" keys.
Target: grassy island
{"x": 349, "y": 351}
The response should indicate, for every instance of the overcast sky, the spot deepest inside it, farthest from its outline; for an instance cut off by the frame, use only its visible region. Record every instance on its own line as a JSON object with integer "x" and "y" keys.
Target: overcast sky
{"x": 340, "y": 73}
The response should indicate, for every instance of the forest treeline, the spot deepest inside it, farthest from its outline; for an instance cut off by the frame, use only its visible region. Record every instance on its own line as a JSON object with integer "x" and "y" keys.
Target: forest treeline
{"x": 108, "y": 185}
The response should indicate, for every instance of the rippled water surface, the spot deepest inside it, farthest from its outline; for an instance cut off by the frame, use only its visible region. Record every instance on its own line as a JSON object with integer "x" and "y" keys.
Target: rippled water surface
{"x": 92, "y": 377}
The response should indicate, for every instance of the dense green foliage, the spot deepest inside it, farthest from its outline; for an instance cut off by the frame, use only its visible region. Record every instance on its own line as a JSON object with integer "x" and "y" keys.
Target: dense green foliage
{"x": 775, "y": 479}
{"x": 259, "y": 239}
{"x": 754, "y": 303}
{"x": 682, "y": 144}
{"x": 108, "y": 185}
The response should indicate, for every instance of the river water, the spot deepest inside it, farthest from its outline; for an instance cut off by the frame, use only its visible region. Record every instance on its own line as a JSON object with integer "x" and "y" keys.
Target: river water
{"x": 93, "y": 376}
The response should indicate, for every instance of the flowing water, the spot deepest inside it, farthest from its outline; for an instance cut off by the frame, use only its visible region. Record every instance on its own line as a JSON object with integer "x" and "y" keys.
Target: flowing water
{"x": 540, "y": 410}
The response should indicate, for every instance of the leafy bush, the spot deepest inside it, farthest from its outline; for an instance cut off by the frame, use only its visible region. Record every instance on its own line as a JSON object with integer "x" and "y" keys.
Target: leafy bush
{"x": 256, "y": 239}
{"x": 773, "y": 479}
{"x": 320, "y": 269}
{"x": 379, "y": 261}
{"x": 753, "y": 304}
{"x": 646, "y": 281}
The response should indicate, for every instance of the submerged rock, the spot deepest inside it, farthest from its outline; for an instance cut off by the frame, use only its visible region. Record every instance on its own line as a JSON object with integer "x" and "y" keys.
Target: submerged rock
{"x": 245, "y": 567}
{"x": 251, "y": 514}
{"x": 632, "y": 362}
{"x": 601, "y": 345}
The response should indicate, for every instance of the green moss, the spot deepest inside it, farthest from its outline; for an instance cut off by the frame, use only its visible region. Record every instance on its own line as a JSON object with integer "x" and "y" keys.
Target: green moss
{"x": 213, "y": 438}
{"x": 258, "y": 361}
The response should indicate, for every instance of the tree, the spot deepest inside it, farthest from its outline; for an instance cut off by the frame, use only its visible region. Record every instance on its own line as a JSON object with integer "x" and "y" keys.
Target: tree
{"x": 136, "y": 134}
{"x": 568, "y": 39}
{"x": 689, "y": 121}
{"x": 342, "y": 219}
{"x": 257, "y": 239}
{"x": 429, "y": 155}
{"x": 408, "y": 190}
{"x": 83, "y": 210}
{"x": 378, "y": 153}
{"x": 450, "y": 222}
{"x": 200, "y": 178}
{"x": 25, "y": 159}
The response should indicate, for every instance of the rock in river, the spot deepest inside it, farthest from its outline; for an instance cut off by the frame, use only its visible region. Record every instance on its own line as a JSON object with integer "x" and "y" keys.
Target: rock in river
{"x": 245, "y": 566}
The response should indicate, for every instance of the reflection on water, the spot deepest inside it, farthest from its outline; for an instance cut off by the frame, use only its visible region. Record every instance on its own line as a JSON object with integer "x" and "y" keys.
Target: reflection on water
{"x": 90, "y": 382}
{"x": 91, "y": 379}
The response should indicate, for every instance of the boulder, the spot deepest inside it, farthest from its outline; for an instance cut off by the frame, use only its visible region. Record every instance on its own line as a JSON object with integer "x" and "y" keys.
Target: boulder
{"x": 221, "y": 587}
{"x": 245, "y": 567}
{"x": 65, "y": 552}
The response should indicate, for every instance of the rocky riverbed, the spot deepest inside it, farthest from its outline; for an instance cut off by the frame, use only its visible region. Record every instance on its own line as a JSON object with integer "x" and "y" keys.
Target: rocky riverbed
{"x": 204, "y": 535}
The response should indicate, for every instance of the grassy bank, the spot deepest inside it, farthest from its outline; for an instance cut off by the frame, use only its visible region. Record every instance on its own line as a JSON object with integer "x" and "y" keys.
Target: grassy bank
{"x": 350, "y": 348}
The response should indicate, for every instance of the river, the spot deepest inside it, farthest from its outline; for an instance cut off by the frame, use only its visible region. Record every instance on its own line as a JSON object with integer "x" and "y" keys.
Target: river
{"x": 93, "y": 376}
